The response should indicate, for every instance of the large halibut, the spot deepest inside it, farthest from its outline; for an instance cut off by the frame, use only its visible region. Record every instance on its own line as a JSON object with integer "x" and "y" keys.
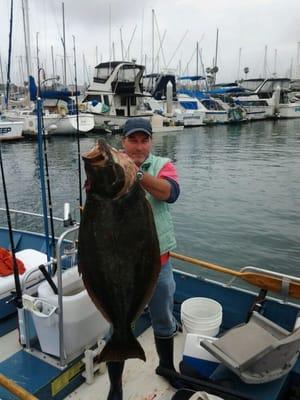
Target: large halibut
{"x": 118, "y": 249}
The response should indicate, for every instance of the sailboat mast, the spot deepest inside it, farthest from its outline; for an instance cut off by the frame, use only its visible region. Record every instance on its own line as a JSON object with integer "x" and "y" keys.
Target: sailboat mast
{"x": 25, "y": 10}
{"x": 64, "y": 47}
{"x": 265, "y": 63}
{"x": 153, "y": 55}
{"x": 9, "y": 52}
{"x": 53, "y": 63}
{"x": 239, "y": 64}
{"x": 1, "y": 71}
{"x": 197, "y": 65}
{"x": 275, "y": 62}
{"x": 216, "y": 57}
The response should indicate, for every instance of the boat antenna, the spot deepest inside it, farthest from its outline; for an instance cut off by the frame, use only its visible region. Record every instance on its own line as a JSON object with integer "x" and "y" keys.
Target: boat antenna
{"x": 77, "y": 131}
{"x": 9, "y": 52}
{"x": 18, "y": 297}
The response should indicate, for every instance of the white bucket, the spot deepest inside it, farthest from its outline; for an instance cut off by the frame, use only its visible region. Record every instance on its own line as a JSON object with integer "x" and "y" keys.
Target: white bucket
{"x": 202, "y": 316}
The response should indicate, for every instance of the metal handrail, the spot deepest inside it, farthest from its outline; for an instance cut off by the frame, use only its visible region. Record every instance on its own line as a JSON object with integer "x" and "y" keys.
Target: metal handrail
{"x": 61, "y": 239}
{"x": 30, "y": 213}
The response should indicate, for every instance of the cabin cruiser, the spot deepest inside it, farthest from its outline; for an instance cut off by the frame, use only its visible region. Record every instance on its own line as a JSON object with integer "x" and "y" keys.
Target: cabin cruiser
{"x": 162, "y": 87}
{"x": 244, "y": 96}
{"x": 115, "y": 94}
{"x": 276, "y": 92}
{"x": 215, "y": 110}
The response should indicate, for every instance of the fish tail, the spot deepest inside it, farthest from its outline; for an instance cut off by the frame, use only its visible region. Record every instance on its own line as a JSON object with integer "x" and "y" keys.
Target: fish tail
{"x": 116, "y": 350}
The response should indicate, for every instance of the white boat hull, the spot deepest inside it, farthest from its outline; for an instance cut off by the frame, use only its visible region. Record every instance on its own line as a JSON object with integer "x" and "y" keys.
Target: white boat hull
{"x": 56, "y": 124}
{"x": 102, "y": 120}
{"x": 167, "y": 129}
{"x": 10, "y": 130}
{"x": 216, "y": 117}
{"x": 291, "y": 110}
{"x": 258, "y": 113}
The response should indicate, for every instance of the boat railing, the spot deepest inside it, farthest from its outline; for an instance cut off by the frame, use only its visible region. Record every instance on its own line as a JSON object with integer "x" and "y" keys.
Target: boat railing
{"x": 28, "y": 213}
{"x": 28, "y": 220}
{"x": 61, "y": 240}
{"x": 285, "y": 278}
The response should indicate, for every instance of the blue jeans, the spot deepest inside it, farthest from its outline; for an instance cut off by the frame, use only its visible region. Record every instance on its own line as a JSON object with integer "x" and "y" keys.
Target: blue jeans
{"x": 162, "y": 303}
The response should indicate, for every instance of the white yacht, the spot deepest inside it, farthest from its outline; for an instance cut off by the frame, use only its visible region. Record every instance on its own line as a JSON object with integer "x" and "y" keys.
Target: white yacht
{"x": 183, "y": 107}
{"x": 116, "y": 93}
{"x": 276, "y": 92}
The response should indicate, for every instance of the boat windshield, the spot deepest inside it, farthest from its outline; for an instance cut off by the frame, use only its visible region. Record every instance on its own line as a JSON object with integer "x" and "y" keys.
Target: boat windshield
{"x": 127, "y": 73}
{"x": 251, "y": 84}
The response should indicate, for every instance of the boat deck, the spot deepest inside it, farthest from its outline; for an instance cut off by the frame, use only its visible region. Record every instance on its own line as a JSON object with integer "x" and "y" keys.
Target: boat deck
{"x": 140, "y": 381}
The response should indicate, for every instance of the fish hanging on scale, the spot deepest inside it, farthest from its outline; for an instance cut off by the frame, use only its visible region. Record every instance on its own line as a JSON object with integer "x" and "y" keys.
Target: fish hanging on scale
{"x": 118, "y": 249}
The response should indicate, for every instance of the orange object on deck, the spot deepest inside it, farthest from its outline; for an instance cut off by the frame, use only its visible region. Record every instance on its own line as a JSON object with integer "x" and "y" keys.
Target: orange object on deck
{"x": 6, "y": 263}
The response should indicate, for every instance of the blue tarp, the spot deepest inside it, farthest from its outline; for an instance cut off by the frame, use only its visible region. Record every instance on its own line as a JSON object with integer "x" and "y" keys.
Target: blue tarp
{"x": 192, "y": 78}
{"x": 49, "y": 94}
{"x": 227, "y": 90}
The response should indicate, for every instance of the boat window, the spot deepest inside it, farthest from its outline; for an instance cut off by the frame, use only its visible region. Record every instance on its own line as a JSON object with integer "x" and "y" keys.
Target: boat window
{"x": 212, "y": 105}
{"x": 123, "y": 101}
{"x": 251, "y": 85}
{"x": 106, "y": 99}
{"x": 103, "y": 73}
{"x": 128, "y": 74}
{"x": 255, "y": 103}
{"x": 91, "y": 97}
{"x": 133, "y": 101}
{"x": 189, "y": 105}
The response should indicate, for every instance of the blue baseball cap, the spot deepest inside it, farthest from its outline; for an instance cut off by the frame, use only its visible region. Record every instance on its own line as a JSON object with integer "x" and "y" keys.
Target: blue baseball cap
{"x": 133, "y": 125}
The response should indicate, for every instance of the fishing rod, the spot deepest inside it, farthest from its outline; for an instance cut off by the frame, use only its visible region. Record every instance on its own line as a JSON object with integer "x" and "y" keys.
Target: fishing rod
{"x": 18, "y": 298}
{"x": 39, "y": 107}
{"x": 77, "y": 131}
{"x": 43, "y": 149}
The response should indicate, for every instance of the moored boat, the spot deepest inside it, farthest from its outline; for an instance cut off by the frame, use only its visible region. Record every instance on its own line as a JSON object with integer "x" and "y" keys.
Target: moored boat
{"x": 10, "y": 130}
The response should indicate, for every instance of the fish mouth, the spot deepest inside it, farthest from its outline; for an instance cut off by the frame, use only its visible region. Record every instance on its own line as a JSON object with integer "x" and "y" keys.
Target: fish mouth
{"x": 99, "y": 156}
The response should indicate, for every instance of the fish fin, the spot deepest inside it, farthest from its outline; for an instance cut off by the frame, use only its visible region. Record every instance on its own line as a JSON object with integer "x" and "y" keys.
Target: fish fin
{"x": 114, "y": 350}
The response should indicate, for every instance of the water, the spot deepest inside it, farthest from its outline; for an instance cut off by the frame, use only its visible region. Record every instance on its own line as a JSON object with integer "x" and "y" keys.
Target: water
{"x": 239, "y": 202}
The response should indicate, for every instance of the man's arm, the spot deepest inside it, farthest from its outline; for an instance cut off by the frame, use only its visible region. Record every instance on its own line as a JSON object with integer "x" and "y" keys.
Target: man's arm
{"x": 159, "y": 188}
{"x": 165, "y": 186}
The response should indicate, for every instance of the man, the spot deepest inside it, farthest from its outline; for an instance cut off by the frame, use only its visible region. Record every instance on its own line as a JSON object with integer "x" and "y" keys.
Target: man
{"x": 158, "y": 177}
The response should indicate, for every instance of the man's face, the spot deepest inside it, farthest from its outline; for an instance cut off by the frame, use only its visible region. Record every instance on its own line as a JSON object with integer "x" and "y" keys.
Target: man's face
{"x": 138, "y": 146}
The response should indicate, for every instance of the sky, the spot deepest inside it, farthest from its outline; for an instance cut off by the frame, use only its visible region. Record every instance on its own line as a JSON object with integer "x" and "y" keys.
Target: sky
{"x": 263, "y": 35}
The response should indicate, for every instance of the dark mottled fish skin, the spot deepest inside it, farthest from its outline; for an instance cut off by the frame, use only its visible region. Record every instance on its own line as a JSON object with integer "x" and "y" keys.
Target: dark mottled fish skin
{"x": 118, "y": 251}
